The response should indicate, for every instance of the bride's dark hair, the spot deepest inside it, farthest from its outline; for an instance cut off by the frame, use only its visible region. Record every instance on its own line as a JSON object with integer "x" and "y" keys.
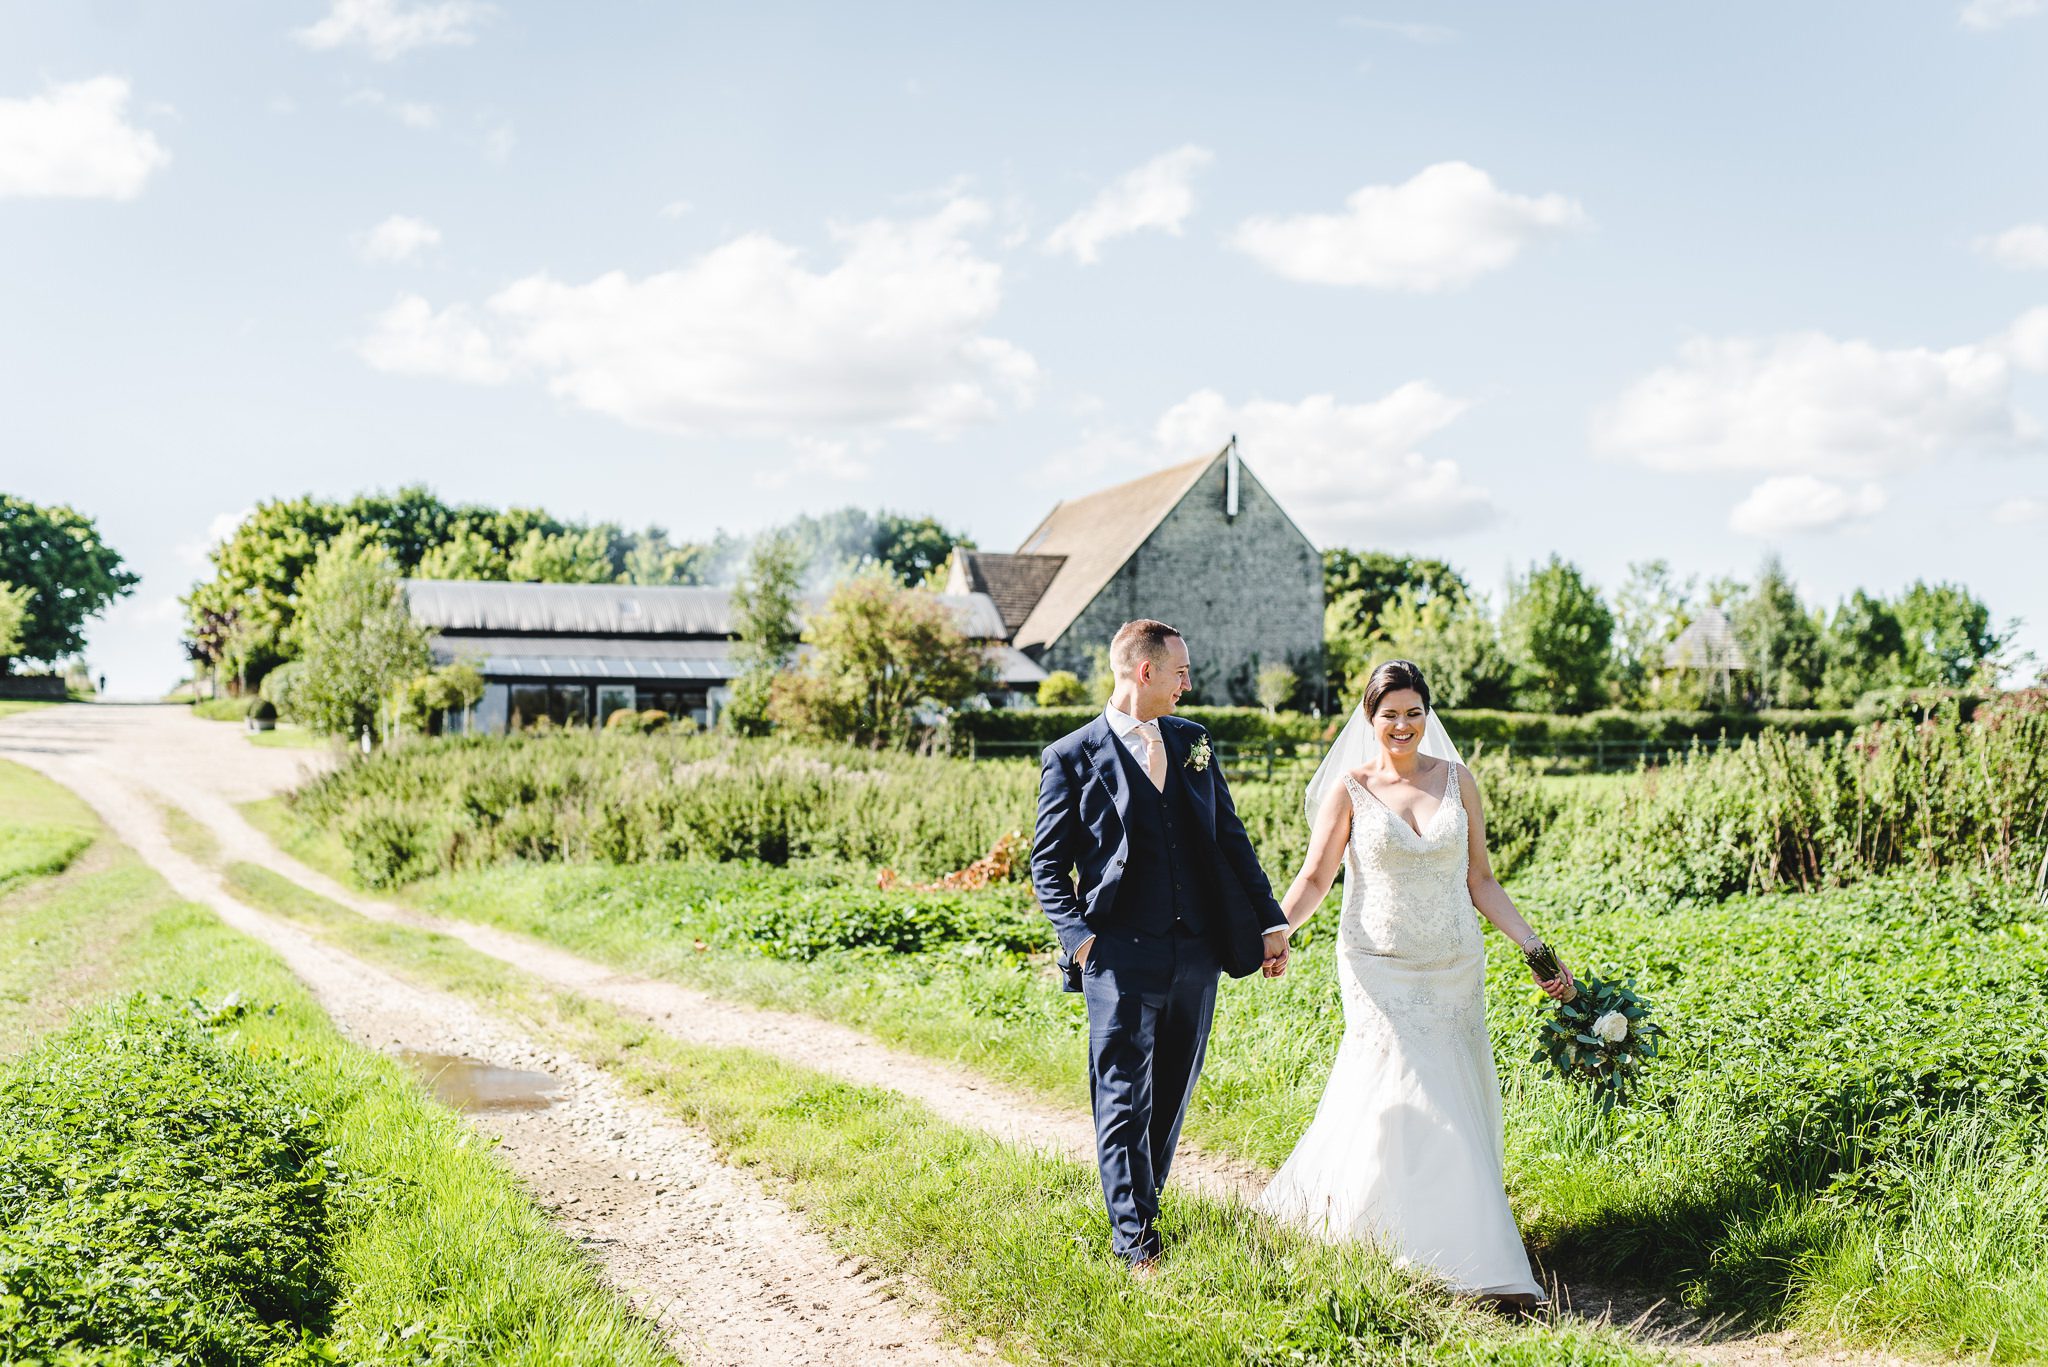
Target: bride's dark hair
{"x": 1392, "y": 677}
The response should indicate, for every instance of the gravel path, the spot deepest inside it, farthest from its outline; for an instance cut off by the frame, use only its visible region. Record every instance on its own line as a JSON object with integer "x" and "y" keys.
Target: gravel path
{"x": 206, "y": 769}
{"x": 727, "y": 1272}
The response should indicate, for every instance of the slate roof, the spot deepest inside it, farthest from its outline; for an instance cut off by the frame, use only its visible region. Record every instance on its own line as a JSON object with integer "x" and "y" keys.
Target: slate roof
{"x": 1095, "y": 535}
{"x": 1709, "y": 643}
{"x": 1014, "y": 583}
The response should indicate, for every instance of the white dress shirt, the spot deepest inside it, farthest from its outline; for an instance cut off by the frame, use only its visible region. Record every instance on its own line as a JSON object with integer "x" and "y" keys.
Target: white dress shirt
{"x": 1126, "y": 728}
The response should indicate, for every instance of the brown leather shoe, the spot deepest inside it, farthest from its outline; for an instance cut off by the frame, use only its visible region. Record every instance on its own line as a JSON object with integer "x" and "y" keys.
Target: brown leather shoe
{"x": 1144, "y": 1269}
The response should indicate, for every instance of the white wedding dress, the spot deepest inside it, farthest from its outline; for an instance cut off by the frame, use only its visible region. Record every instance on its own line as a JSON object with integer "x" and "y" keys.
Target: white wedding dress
{"x": 1405, "y": 1148}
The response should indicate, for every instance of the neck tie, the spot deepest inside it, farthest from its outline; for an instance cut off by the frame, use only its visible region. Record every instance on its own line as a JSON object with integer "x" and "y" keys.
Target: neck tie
{"x": 1155, "y": 754}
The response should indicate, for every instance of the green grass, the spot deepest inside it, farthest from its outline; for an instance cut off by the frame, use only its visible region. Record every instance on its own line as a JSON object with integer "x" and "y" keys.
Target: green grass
{"x": 1014, "y": 1245}
{"x": 289, "y": 737}
{"x": 448, "y": 1261}
{"x": 10, "y": 706}
{"x": 1790, "y": 1144}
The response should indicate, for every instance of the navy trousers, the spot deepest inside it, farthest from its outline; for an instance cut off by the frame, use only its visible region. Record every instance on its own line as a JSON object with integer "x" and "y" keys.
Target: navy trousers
{"x": 1151, "y": 999}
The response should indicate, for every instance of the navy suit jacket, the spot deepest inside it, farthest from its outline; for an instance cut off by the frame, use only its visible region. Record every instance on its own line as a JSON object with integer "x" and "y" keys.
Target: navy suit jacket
{"x": 1078, "y": 851}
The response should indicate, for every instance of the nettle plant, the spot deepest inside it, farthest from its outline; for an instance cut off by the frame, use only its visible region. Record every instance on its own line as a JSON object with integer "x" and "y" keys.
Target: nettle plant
{"x": 1602, "y": 1039}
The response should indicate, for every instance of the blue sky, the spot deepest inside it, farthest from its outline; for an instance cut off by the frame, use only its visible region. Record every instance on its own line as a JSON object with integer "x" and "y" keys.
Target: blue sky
{"x": 1482, "y": 281}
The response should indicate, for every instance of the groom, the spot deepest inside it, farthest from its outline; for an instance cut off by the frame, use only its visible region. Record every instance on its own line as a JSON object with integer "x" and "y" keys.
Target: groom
{"x": 1145, "y": 871}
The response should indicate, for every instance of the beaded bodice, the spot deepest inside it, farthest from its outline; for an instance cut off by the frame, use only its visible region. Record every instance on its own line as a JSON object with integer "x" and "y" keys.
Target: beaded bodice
{"x": 1405, "y": 895}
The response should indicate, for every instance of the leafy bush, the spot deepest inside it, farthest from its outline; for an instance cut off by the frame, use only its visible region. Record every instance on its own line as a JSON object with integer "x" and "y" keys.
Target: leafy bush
{"x": 1044, "y": 725}
{"x": 160, "y": 1193}
{"x": 221, "y": 709}
{"x": 625, "y": 719}
{"x": 281, "y": 686}
{"x": 823, "y": 920}
{"x": 1786, "y": 811}
{"x": 1062, "y": 688}
{"x": 262, "y": 709}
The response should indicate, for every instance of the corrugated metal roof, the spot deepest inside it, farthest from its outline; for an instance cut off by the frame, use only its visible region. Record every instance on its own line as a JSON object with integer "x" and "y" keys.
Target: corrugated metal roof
{"x": 479, "y": 606}
{"x": 585, "y": 657}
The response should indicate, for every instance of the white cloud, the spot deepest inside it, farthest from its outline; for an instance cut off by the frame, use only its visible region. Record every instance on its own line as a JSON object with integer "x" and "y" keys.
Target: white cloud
{"x": 222, "y": 527}
{"x": 1155, "y": 195}
{"x": 2025, "y": 343}
{"x": 1412, "y": 30}
{"x": 834, "y": 460}
{"x": 2021, "y": 248}
{"x": 398, "y": 239}
{"x": 389, "y": 28}
{"x": 411, "y": 113}
{"x": 411, "y": 338}
{"x": 1810, "y": 404}
{"x": 1788, "y": 504}
{"x": 1443, "y": 228}
{"x": 677, "y": 208}
{"x": 1345, "y": 471}
{"x": 498, "y": 144}
{"x": 74, "y": 141}
{"x": 748, "y": 339}
{"x": 1990, "y": 14}
{"x": 2020, "y": 510}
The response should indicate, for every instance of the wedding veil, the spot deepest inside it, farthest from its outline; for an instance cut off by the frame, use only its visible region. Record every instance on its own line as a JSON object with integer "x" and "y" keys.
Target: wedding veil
{"x": 1357, "y": 744}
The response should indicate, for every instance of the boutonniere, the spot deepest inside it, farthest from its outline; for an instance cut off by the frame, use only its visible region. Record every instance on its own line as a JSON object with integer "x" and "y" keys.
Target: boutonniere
{"x": 1198, "y": 755}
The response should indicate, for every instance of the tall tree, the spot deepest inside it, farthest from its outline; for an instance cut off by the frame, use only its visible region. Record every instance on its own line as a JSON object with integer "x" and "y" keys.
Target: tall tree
{"x": 915, "y": 549}
{"x": 1649, "y": 612}
{"x": 57, "y": 552}
{"x": 765, "y": 602}
{"x": 1862, "y": 649}
{"x": 1780, "y": 638}
{"x": 13, "y": 617}
{"x": 354, "y": 636}
{"x": 1948, "y": 637}
{"x": 1453, "y": 640}
{"x": 1556, "y": 631}
{"x": 1368, "y": 581}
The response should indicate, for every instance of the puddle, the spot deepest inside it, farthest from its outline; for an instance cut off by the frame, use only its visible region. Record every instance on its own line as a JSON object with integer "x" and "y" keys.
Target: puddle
{"x": 468, "y": 1084}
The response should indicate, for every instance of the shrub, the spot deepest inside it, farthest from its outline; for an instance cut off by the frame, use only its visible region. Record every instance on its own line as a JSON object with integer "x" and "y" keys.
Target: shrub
{"x": 1062, "y": 688}
{"x": 623, "y": 720}
{"x": 281, "y": 686}
{"x": 654, "y": 719}
{"x": 221, "y": 709}
{"x": 163, "y": 1194}
{"x": 818, "y": 921}
{"x": 262, "y": 709}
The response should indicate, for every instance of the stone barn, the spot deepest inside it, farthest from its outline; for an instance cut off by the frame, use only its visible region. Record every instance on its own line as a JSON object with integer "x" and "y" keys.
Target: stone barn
{"x": 1200, "y": 545}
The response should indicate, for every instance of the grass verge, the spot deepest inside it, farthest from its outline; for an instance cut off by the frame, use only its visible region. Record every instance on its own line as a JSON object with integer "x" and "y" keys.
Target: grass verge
{"x": 445, "y": 1260}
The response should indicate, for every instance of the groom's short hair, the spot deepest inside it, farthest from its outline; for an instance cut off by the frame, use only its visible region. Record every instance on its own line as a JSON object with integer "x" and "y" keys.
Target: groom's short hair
{"x": 1143, "y": 639}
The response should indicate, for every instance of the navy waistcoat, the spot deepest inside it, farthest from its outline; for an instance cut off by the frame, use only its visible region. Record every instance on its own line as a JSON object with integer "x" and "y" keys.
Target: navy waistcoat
{"x": 1163, "y": 890}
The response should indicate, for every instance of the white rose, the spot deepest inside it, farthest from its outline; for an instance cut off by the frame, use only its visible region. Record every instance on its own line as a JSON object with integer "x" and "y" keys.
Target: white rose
{"x": 1612, "y": 1027}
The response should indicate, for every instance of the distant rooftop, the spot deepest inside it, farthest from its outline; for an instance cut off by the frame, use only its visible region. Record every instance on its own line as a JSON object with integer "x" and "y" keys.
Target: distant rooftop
{"x": 458, "y": 607}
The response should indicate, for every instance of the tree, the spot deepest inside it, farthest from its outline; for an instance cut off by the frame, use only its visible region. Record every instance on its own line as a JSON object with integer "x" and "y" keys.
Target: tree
{"x": 1367, "y": 581}
{"x": 466, "y": 554}
{"x": 1863, "y": 648}
{"x": 915, "y": 550}
{"x": 1452, "y": 639}
{"x": 764, "y": 616}
{"x": 354, "y": 635}
{"x": 1780, "y": 639}
{"x": 1275, "y": 685}
{"x": 575, "y": 556}
{"x": 56, "y": 553}
{"x": 1948, "y": 640}
{"x": 1556, "y": 632}
{"x": 882, "y": 652}
{"x": 13, "y": 615}
{"x": 1062, "y": 688}
{"x": 1649, "y": 613}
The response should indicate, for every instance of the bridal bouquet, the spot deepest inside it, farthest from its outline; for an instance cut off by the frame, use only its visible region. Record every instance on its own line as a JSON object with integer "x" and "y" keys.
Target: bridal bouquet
{"x": 1603, "y": 1038}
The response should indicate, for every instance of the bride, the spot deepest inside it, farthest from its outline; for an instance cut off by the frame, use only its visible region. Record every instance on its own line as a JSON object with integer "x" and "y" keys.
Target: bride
{"x": 1405, "y": 1148}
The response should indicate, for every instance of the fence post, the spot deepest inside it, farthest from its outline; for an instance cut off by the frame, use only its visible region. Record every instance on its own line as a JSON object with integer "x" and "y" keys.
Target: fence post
{"x": 1269, "y": 761}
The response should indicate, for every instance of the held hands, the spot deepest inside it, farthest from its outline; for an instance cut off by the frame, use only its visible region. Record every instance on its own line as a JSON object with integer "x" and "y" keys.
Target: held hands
{"x": 1276, "y": 953}
{"x": 1561, "y": 987}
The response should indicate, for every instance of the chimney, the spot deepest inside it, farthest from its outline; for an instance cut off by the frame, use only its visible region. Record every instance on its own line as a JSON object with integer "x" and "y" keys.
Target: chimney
{"x": 1230, "y": 481}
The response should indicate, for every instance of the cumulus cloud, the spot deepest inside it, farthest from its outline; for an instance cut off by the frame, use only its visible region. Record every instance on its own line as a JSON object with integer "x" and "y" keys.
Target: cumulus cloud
{"x": 1788, "y": 504}
{"x": 749, "y": 339}
{"x": 1159, "y": 194}
{"x": 1810, "y": 404}
{"x": 2020, "y": 248}
{"x": 2025, "y": 343}
{"x": 819, "y": 458}
{"x": 1443, "y": 228}
{"x": 1345, "y": 470}
{"x": 388, "y": 28}
{"x": 1989, "y": 14}
{"x": 2020, "y": 510}
{"x": 413, "y": 338}
{"x": 411, "y": 113}
{"x": 74, "y": 141}
{"x": 397, "y": 240}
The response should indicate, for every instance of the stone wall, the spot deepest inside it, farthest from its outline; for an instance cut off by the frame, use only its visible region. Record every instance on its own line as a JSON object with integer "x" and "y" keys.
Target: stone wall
{"x": 1245, "y": 592}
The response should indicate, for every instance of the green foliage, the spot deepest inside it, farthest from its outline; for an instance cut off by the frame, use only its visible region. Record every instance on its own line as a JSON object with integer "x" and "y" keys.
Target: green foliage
{"x": 1789, "y": 811}
{"x": 804, "y": 923}
{"x": 1780, "y": 639}
{"x": 425, "y": 699}
{"x": 571, "y": 556}
{"x": 13, "y": 617}
{"x": 221, "y": 709}
{"x": 56, "y": 554}
{"x": 1862, "y": 650}
{"x": 1453, "y": 640}
{"x": 1948, "y": 637}
{"x": 1571, "y": 1045}
{"x": 764, "y": 618}
{"x": 1063, "y": 688}
{"x": 261, "y": 709}
{"x": 1649, "y": 612}
{"x": 1378, "y": 578}
{"x": 882, "y": 654}
{"x": 354, "y": 635}
{"x": 1556, "y": 632}
{"x": 281, "y": 687}
{"x": 163, "y": 1193}
{"x": 1276, "y": 685}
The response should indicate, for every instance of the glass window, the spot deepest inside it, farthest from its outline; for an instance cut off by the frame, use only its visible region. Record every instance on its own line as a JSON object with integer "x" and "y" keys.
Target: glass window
{"x": 569, "y": 704}
{"x": 613, "y": 698}
{"x": 529, "y": 705}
